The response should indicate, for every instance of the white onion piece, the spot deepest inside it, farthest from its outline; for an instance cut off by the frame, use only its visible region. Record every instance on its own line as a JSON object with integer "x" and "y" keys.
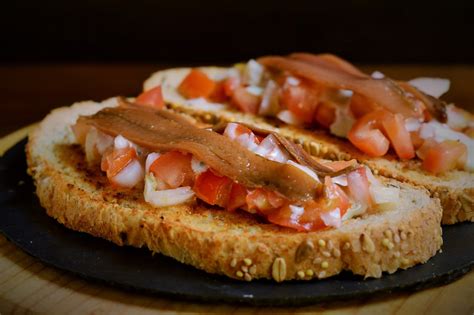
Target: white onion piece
{"x": 305, "y": 169}
{"x": 254, "y": 90}
{"x": 343, "y": 122}
{"x": 270, "y": 149}
{"x": 168, "y": 197}
{"x": 458, "y": 118}
{"x": 121, "y": 142}
{"x": 356, "y": 209}
{"x": 412, "y": 124}
{"x": 377, "y": 75}
{"x": 431, "y": 86}
{"x": 292, "y": 81}
{"x": 341, "y": 180}
{"x": 381, "y": 194}
{"x": 197, "y": 166}
{"x": 253, "y": 73}
{"x": 96, "y": 143}
{"x": 332, "y": 218}
{"x": 372, "y": 180}
{"x": 296, "y": 213}
{"x": 150, "y": 159}
{"x": 130, "y": 175}
{"x": 269, "y": 104}
{"x": 289, "y": 118}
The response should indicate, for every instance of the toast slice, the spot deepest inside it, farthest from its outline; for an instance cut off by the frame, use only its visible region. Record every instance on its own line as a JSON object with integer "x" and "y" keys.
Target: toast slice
{"x": 455, "y": 189}
{"x": 235, "y": 244}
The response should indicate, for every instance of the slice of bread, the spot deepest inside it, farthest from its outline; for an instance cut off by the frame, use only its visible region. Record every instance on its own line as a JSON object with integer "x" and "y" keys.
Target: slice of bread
{"x": 235, "y": 244}
{"x": 455, "y": 189}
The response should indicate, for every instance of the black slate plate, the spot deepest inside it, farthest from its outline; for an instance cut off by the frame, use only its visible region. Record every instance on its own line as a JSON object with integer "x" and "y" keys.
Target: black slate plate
{"x": 24, "y": 222}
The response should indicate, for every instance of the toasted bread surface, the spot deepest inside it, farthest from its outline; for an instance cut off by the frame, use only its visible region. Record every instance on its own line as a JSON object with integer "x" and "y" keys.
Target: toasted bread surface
{"x": 455, "y": 189}
{"x": 235, "y": 244}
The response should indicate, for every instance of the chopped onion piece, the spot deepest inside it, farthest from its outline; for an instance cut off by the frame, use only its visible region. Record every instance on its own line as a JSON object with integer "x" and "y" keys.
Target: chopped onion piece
{"x": 305, "y": 169}
{"x": 412, "y": 124}
{"x": 150, "y": 159}
{"x": 381, "y": 194}
{"x": 289, "y": 118}
{"x": 168, "y": 197}
{"x": 269, "y": 104}
{"x": 377, "y": 75}
{"x": 130, "y": 175}
{"x": 343, "y": 122}
{"x": 253, "y": 73}
{"x": 270, "y": 149}
{"x": 254, "y": 90}
{"x": 431, "y": 86}
{"x": 356, "y": 209}
{"x": 121, "y": 142}
{"x": 341, "y": 180}
{"x": 292, "y": 81}
{"x": 96, "y": 143}
{"x": 296, "y": 213}
{"x": 332, "y": 218}
{"x": 198, "y": 166}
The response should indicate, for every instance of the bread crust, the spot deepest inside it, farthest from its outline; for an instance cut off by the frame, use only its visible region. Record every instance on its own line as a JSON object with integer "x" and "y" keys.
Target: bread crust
{"x": 455, "y": 189}
{"x": 236, "y": 244}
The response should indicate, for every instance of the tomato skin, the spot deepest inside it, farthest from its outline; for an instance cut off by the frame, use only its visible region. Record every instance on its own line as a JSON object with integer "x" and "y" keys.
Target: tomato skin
{"x": 335, "y": 197}
{"x": 301, "y": 100}
{"x": 219, "y": 94}
{"x": 416, "y": 139}
{"x": 151, "y": 98}
{"x": 174, "y": 168}
{"x": 230, "y": 84}
{"x": 196, "y": 84}
{"x": 115, "y": 160}
{"x": 237, "y": 197}
{"x": 394, "y": 127}
{"x": 325, "y": 114}
{"x": 212, "y": 188}
{"x": 245, "y": 101}
{"x": 367, "y": 137}
{"x": 444, "y": 156}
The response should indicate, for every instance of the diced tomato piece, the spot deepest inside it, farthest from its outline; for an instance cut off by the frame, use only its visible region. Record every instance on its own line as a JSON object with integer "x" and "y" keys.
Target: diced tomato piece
{"x": 367, "y": 137}
{"x": 237, "y": 197}
{"x": 301, "y": 100}
{"x": 444, "y": 156}
{"x": 416, "y": 139}
{"x": 212, "y": 188}
{"x": 394, "y": 127}
{"x": 230, "y": 84}
{"x": 245, "y": 101}
{"x": 196, "y": 84}
{"x": 152, "y": 98}
{"x": 325, "y": 114}
{"x": 219, "y": 94}
{"x": 264, "y": 201}
{"x": 359, "y": 186}
{"x": 361, "y": 106}
{"x": 234, "y": 130}
{"x": 115, "y": 160}
{"x": 174, "y": 168}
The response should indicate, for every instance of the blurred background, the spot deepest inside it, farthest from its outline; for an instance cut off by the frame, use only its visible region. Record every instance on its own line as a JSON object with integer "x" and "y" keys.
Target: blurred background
{"x": 56, "y": 52}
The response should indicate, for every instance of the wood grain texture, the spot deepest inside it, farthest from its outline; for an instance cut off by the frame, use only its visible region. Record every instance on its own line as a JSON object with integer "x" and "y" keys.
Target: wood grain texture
{"x": 28, "y": 286}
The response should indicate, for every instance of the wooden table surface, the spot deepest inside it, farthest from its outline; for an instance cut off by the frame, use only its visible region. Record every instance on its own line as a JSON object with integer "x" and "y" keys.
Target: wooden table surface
{"x": 28, "y": 286}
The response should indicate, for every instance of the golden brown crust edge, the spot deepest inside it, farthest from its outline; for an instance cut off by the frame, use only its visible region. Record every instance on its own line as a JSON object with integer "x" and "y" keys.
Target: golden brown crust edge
{"x": 229, "y": 243}
{"x": 457, "y": 200}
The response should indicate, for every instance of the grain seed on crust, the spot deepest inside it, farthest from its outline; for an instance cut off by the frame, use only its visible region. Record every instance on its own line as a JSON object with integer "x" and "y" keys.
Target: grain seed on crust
{"x": 303, "y": 251}
{"x": 247, "y": 261}
{"x": 279, "y": 269}
{"x": 367, "y": 244}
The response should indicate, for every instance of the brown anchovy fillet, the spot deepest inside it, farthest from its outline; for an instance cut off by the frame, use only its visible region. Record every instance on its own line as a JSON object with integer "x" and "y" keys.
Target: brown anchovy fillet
{"x": 381, "y": 91}
{"x": 300, "y": 155}
{"x": 164, "y": 130}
